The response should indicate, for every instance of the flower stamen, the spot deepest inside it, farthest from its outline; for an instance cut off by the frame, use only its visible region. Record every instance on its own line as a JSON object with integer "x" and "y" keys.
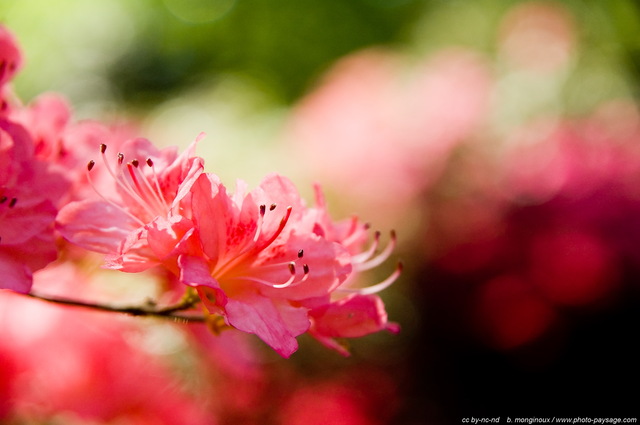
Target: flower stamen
{"x": 378, "y": 286}
{"x": 90, "y": 166}
{"x": 364, "y": 256}
{"x": 380, "y": 258}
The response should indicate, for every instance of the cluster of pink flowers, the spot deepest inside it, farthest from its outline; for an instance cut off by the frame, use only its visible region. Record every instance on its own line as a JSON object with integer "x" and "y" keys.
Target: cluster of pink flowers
{"x": 262, "y": 260}
{"x": 555, "y": 233}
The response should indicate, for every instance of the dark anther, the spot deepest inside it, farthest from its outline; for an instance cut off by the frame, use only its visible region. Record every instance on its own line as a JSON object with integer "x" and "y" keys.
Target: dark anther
{"x": 300, "y": 253}
{"x": 3, "y": 199}
{"x": 272, "y": 207}
{"x": 135, "y": 163}
{"x": 12, "y": 202}
{"x": 263, "y": 209}
{"x": 120, "y": 158}
{"x": 103, "y": 148}
{"x": 149, "y": 162}
{"x": 305, "y": 267}
{"x": 90, "y": 165}
{"x": 292, "y": 268}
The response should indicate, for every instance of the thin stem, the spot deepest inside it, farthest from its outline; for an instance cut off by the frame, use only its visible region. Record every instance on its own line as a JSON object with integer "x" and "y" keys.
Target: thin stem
{"x": 167, "y": 312}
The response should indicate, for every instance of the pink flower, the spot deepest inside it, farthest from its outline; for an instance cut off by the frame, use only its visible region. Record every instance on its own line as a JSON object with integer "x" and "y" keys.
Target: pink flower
{"x": 28, "y": 193}
{"x": 361, "y": 312}
{"x": 267, "y": 261}
{"x": 259, "y": 265}
{"x": 65, "y": 144}
{"x": 138, "y": 218}
{"x": 375, "y": 116}
{"x": 45, "y": 118}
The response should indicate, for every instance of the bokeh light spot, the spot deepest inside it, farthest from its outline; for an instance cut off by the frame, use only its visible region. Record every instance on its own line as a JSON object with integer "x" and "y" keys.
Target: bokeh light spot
{"x": 572, "y": 268}
{"x": 511, "y": 314}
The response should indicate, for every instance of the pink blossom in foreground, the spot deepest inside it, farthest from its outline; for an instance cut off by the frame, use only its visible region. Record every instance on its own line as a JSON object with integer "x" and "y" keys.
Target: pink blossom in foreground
{"x": 264, "y": 265}
{"x": 258, "y": 267}
{"x": 360, "y": 312}
{"x": 137, "y": 216}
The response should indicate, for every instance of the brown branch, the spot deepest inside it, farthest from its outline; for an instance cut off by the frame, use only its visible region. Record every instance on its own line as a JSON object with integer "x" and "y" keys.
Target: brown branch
{"x": 170, "y": 312}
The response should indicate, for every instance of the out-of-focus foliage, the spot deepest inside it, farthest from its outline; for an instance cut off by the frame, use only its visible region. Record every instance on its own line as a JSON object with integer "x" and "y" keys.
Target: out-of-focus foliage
{"x": 157, "y": 47}
{"x": 283, "y": 43}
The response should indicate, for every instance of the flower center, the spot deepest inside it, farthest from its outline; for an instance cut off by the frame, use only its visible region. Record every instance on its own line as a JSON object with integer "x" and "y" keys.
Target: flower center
{"x": 241, "y": 266}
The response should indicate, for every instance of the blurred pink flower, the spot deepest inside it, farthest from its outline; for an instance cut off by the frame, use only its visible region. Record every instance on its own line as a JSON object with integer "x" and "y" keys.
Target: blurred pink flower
{"x": 359, "y": 396}
{"x": 386, "y": 127}
{"x": 46, "y": 118}
{"x": 68, "y": 364}
{"x": 509, "y": 313}
{"x": 67, "y": 144}
{"x": 10, "y": 62}
{"x": 554, "y": 227}
{"x": 29, "y": 191}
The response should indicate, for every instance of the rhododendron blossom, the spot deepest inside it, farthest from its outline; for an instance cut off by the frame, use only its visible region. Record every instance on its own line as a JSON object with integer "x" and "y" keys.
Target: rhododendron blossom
{"x": 264, "y": 264}
{"x": 141, "y": 196}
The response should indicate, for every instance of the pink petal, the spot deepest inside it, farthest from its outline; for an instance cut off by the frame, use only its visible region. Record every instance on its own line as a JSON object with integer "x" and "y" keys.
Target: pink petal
{"x": 194, "y": 271}
{"x": 163, "y": 235}
{"x": 351, "y": 317}
{"x": 15, "y": 275}
{"x": 213, "y": 214}
{"x": 170, "y": 238}
{"x": 195, "y": 168}
{"x": 276, "y": 323}
{"x": 22, "y": 224}
{"x": 134, "y": 254}
{"x": 35, "y": 253}
{"x": 94, "y": 225}
{"x": 281, "y": 192}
